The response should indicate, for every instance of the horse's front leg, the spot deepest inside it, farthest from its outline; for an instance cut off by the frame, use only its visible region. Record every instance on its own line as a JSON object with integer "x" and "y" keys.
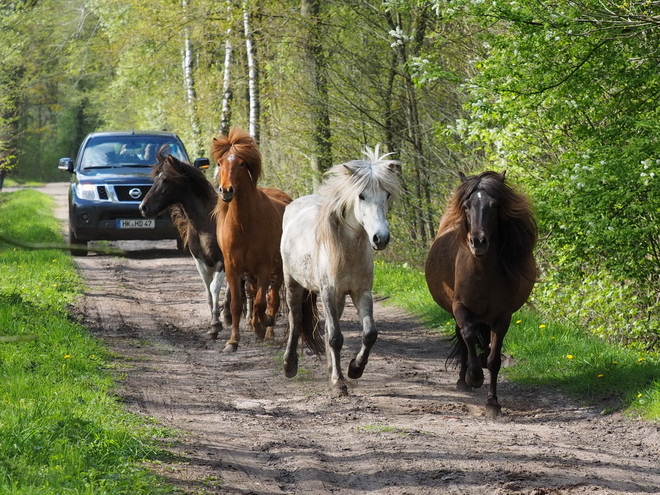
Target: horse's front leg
{"x": 469, "y": 333}
{"x": 494, "y": 363}
{"x": 334, "y": 340}
{"x": 208, "y": 275}
{"x": 294, "y": 299}
{"x": 234, "y": 287}
{"x": 216, "y": 286}
{"x": 365, "y": 308}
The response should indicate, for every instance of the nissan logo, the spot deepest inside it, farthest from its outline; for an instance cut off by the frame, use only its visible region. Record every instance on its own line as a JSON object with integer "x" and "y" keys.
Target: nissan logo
{"x": 135, "y": 193}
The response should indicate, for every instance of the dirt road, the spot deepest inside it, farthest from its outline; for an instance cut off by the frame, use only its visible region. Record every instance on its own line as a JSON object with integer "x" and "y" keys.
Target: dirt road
{"x": 404, "y": 429}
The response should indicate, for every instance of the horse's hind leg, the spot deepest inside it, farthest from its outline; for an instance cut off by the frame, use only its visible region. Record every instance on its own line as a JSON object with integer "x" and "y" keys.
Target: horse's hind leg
{"x": 294, "y": 300}
{"x": 365, "y": 307}
{"x": 273, "y": 306}
{"x": 334, "y": 340}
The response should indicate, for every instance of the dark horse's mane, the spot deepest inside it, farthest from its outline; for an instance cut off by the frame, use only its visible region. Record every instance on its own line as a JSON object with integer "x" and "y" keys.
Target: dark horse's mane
{"x": 240, "y": 144}
{"x": 517, "y": 228}
{"x": 185, "y": 174}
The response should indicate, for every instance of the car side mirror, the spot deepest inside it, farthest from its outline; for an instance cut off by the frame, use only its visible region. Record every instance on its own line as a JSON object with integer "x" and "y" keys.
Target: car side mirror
{"x": 66, "y": 164}
{"x": 202, "y": 163}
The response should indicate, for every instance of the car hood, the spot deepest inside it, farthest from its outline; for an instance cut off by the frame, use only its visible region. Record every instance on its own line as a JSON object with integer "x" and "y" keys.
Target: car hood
{"x": 117, "y": 175}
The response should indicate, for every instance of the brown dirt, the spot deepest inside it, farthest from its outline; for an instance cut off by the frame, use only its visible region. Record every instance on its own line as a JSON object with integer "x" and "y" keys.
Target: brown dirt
{"x": 403, "y": 429}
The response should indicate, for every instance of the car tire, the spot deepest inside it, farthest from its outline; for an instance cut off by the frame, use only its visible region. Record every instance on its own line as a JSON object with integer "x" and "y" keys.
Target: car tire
{"x": 74, "y": 240}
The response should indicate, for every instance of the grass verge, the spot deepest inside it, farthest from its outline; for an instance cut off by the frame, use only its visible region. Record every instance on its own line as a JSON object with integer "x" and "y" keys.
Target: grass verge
{"x": 549, "y": 353}
{"x": 61, "y": 429}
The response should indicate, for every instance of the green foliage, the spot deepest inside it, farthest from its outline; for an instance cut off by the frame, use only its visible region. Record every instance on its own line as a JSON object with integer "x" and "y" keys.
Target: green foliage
{"x": 61, "y": 428}
{"x": 565, "y": 98}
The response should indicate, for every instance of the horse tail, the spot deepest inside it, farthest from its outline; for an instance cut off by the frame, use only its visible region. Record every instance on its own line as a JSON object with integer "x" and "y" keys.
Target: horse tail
{"x": 311, "y": 334}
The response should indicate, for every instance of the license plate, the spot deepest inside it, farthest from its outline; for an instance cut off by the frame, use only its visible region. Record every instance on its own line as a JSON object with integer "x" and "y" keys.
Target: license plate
{"x": 136, "y": 224}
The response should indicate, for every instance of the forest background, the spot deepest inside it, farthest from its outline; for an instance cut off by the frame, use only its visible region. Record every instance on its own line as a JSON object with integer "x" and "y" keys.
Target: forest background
{"x": 563, "y": 95}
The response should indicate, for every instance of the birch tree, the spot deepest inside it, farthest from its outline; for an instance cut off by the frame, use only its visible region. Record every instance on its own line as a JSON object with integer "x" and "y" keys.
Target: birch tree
{"x": 253, "y": 75}
{"x": 189, "y": 82}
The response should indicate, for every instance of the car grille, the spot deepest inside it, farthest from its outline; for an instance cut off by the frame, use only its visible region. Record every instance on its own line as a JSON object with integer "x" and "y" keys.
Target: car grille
{"x": 122, "y": 192}
{"x": 103, "y": 192}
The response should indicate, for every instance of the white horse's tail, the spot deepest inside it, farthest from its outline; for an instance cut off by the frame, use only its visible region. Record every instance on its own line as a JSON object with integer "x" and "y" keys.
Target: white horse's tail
{"x": 311, "y": 333}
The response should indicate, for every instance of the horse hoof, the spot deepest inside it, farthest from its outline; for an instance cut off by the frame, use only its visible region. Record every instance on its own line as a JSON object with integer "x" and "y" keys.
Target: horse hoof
{"x": 475, "y": 380}
{"x": 355, "y": 371}
{"x": 462, "y": 386}
{"x": 340, "y": 390}
{"x": 291, "y": 367}
{"x": 212, "y": 335}
{"x": 493, "y": 410}
{"x": 230, "y": 348}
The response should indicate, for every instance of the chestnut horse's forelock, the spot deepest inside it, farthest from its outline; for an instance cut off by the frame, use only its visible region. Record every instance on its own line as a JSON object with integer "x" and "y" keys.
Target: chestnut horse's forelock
{"x": 517, "y": 226}
{"x": 243, "y": 146}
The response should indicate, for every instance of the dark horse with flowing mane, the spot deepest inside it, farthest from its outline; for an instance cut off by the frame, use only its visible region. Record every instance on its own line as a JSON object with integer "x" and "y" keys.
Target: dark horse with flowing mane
{"x": 481, "y": 269}
{"x": 249, "y": 228}
{"x": 192, "y": 199}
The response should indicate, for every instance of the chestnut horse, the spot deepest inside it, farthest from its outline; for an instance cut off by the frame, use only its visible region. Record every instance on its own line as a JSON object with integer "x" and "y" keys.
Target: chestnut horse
{"x": 249, "y": 228}
{"x": 481, "y": 269}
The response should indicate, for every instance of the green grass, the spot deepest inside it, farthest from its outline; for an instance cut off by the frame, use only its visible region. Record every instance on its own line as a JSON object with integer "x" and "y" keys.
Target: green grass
{"x": 62, "y": 431}
{"x": 550, "y": 353}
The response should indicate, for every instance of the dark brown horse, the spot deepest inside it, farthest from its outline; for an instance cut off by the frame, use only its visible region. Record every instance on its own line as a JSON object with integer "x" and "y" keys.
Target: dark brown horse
{"x": 249, "y": 230}
{"x": 481, "y": 269}
{"x": 192, "y": 199}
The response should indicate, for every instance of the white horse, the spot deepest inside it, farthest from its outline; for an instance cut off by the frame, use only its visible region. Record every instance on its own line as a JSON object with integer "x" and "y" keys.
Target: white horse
{"x": 327, "y": 248}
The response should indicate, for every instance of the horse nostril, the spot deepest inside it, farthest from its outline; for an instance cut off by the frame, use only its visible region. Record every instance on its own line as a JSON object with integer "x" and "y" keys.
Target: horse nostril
{"x": 380, "y": 241}
{"x": 144, "y": 210}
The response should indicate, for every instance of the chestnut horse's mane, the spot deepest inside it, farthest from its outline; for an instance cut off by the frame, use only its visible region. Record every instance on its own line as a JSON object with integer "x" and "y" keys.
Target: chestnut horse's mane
{"x": 243, "y": 146}
{"x": 517, "y": 226}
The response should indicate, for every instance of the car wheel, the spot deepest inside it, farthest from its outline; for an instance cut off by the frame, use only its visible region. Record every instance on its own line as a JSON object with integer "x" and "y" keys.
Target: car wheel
{"x": 74, "y": 240}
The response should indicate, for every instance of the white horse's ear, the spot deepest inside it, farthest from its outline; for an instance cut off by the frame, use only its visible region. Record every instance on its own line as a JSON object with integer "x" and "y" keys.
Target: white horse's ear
{"x": 350, "y": 168}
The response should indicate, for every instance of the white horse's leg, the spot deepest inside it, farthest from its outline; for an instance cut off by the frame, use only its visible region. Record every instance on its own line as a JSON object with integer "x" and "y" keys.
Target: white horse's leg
{"x": 216, "y": 285}
{"x": 207, "y": 278}
{"x": 334, "y": 340}
{"x": 365, "y": 307}
{"x": 294, "y": 300}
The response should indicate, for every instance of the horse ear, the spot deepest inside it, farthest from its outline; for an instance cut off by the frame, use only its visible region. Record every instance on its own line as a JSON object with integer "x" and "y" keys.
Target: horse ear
{"x": 462, "y": 176}
{"x": 503, "y": 175}
{"x": 350, "y": 168}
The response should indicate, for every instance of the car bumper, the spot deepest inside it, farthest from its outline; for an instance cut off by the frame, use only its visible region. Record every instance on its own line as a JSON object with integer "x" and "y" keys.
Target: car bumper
{"x": 94, "y": 222}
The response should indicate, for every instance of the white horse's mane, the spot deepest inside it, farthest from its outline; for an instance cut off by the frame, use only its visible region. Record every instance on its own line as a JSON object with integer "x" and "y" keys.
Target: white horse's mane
{"x": 343, "y": 184}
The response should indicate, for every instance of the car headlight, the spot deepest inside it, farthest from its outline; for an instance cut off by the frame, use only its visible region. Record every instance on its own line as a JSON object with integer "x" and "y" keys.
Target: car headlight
{"x": 86, "y": 191}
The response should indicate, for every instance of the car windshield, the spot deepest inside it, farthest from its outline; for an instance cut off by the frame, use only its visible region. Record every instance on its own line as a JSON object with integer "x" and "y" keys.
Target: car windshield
{"x": 129, "y": 151}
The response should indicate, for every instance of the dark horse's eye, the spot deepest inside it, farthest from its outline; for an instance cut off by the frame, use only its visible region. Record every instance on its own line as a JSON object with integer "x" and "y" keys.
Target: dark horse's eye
{"x": 361, "y": 196}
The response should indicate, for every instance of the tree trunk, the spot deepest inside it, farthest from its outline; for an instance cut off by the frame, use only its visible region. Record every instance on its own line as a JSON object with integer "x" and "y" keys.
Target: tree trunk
{"x": 189, "y": 84}
{"x": 317, "y": 73}
{"x": 227, "y": 95}
{"x": 422, "y": 217}
{"x": 253, "y": 75}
